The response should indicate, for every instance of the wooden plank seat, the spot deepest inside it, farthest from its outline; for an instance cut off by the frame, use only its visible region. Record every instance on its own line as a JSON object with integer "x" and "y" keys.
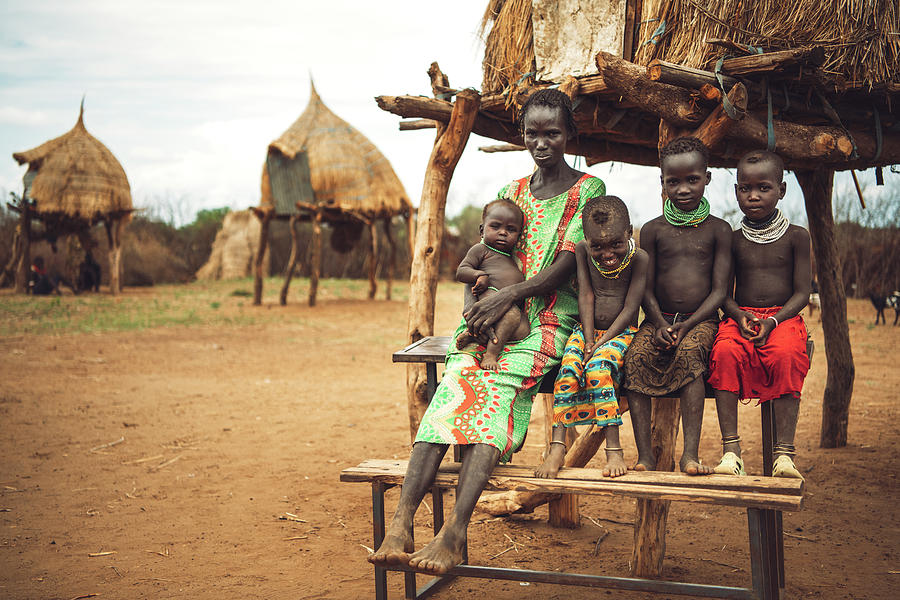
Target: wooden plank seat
{"x": 759, "y": 495}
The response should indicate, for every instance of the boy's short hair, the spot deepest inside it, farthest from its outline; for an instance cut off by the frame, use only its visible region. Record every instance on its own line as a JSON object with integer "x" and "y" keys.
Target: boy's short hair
{"x": 506, "y": 201}
{"x": 684, "y": 145}
{"x": 551, "y": 98}
{"x": 606, "y": 211}
{"x": 762, "y": 157}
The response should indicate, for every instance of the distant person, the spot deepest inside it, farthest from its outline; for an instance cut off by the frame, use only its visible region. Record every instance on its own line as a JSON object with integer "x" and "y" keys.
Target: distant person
{"x": 488, "y": 267}
{"x": 690, "y": 258}
{"x": 42, "y": 283}
{"x": 89, "y": 274}
{"x": 612, "y": 274}
{"x": 760, "y": 349}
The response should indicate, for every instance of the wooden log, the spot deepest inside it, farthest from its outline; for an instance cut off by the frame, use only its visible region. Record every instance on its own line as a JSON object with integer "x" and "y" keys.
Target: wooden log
{"x": 817, "y": 188}
{"x": 688, "y": 77}
{"x": 114, "y": 237}
{"x": 417, "y": 124}
{"x": 793, "y": 141}
{"x": 501, "y": 148}
{"x": 589, "y": 85}
{"x": 448, "y": 147}
{"x": 669, "y": 102}
{"x": 265, "y": 217}
{"x": 315, "y": 261}
{"x": 373, "y": 260}
{"x": 774, "y": 61}
{"x": 392, "y": 257}
{"x": 717, "y": 124}
{"x": 651, "y": 515}
{"x": 667, "y": 133}
{"x": 710, "y": 93}
{"x": 293, "y": 224}
{"x": 24, "y": 267}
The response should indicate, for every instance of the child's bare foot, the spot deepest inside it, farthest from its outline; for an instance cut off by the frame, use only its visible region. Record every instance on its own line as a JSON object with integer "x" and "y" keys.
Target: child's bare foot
{"x": 692, "y": 466}
{"x": 552, "y": 464}
{"x": 443, "y": 553}
{"x": 464, "y": 339}
{"x": 615, "y": 464}
{"x": 395, "y": 549}
{"x": 644, "y": 464}
{"x": 489, "y": 363}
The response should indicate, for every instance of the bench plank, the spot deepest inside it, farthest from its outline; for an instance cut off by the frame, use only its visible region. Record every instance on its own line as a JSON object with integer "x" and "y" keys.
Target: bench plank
{"x": 772, "y": 493}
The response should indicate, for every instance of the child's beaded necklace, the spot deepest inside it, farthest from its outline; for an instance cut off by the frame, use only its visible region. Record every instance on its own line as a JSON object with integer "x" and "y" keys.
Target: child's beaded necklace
{"x": 614, "y": 273}
{"x": 680, "y": 218}
{"x": 489, "y": 247}
{"x": 767, "y": 231}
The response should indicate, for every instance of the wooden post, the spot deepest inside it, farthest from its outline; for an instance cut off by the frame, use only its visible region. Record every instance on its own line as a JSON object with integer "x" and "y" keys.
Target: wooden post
{"x": 373, "y": 260}
{"x": 265, "y": 217}
{"x": 24, "y": 265}
{"x": 717, "y": 124}
{"x": 315, "y": 262}
{"x": 651, "y": 515}
{"x": 448, "y": 147}
{"x": 392, "y": 257}
{"x": 817, "y": 187}
{"x": 114, "y": 237}
{"x": 292, "y": 263}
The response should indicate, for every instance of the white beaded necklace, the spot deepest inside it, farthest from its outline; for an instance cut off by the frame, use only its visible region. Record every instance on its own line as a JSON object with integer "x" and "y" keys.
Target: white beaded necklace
{"x": 766, "y": 233}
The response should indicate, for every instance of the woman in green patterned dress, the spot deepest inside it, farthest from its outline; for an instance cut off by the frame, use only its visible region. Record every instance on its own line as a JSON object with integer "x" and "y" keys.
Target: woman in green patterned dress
{"x": 487, "y": 412}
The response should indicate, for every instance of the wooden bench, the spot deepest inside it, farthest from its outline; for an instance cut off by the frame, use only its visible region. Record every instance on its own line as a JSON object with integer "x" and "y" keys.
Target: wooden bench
{"x": 761, "y": 496}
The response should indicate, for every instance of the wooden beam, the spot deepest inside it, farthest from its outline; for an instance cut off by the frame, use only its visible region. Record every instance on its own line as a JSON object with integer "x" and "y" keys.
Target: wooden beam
{"x": 440, "y": 110}
{"x": 448, "y": 147}
{"x": 793, "y": 141}
{"x": 817, "y": 188}
{"x": 501, "y": 148}
{"x": 669, "y": 102}
{"x": 315, "y": 261}
{"x": 588, "y": 85}
{"x": 689, "y": 77}
{"x": 417, "y": 124}
{"x": 717, "y": 124}
{"x": 773, "y": 61}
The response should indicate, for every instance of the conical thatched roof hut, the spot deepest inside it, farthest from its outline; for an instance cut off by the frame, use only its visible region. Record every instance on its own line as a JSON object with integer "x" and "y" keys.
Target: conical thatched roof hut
{"x": 323, "y": 170}
{"x": 74, "y": 182}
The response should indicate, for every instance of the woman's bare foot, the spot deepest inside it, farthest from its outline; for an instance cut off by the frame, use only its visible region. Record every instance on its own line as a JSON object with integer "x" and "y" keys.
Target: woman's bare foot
{"x": 552, "y": 464}
{"x": 395, "y": 549}
{"x": 443, "y": 553}
{"x": 615, "y": 464}
{"x": 692, "y": 466}
{"x": 489, "y": 362}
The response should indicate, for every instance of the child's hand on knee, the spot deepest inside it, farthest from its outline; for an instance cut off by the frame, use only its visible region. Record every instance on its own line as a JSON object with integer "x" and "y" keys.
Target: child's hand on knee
{"x": 662, "y": 337}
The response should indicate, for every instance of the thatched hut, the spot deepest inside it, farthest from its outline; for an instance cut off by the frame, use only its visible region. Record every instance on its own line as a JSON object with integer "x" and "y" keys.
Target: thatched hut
{"x": 324, "y": 171}
{"x": 73, "y": 182}
{"x": 234, "y": 249}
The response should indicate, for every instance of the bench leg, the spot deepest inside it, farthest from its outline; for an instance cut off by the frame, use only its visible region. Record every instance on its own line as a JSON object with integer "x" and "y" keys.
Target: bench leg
{"x": 774, "y": 517}
{"x": 763, "y": 554}
{"x": 378, "y": 490}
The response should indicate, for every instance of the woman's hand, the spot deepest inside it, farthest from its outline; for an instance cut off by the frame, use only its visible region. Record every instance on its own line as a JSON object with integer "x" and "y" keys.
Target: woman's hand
{"x": 484, "y": 313}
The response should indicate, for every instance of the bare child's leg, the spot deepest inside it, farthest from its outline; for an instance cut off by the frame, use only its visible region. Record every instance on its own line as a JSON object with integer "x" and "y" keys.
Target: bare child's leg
{"x": 511, "y": 326}
{"x": 786, "y": 409}
{"x": 727, "y": 412}
{"x": 693, "y": 397}
{"x": 615, "y": 456}
{"x": 556, "y": 455}
{"x": 641, "y": 411}
{"x": 445, "y": 551}
{"x": 398, "y": 540}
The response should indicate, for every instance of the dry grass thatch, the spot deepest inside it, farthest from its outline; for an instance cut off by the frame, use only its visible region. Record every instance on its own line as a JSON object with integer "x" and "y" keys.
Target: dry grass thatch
{"x": 77, "y": 176}
{"x": 861, "y": 37}
{"x": 347, "y": 171}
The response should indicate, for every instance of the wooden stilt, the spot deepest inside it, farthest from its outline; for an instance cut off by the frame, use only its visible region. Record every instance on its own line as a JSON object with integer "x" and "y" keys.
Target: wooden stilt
{"x": 392, "y": 257}
{"x": 114, "y": 236}
{"x": 373, "y": 259}
{"x": 292, "y": 263}
{"x": 315, "y": 263}
{"x": 265, "y": 217}
{"x": 651, "y": 515}
{"x": 448, "y": 147}
{"x": 24, "y": 247}
{"x": 817, "y": 187}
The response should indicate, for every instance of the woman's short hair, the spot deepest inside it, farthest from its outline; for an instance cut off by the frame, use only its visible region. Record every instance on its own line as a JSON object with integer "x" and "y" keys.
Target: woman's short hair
{"x": 551, "y": 98}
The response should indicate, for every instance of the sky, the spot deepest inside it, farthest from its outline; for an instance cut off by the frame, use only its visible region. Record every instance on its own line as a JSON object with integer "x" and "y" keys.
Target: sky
{"x": 188, "y": 95}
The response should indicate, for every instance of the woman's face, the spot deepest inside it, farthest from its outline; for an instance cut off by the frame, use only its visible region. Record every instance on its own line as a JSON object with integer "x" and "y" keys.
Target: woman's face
{"x": 545, "y": 135}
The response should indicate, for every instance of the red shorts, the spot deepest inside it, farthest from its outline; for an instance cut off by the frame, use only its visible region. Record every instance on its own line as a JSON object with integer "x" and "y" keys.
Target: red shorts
{"x": 775, "y": 369}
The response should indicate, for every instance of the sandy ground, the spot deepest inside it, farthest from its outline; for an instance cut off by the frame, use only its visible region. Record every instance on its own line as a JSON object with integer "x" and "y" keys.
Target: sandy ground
{"x": 225, "y": 433}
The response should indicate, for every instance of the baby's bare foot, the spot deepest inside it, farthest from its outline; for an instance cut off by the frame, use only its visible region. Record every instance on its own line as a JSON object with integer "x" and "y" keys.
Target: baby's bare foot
{"x": 615, "y": 464}
{"x": 464, "y": 339}
{"x": 553, "y": 463}
{"x": 489, "y": 363}
{"x": 692, "y": 466}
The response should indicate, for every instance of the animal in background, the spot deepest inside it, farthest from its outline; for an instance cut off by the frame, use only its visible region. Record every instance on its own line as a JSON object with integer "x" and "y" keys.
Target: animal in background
{"x": 880, "y": 302}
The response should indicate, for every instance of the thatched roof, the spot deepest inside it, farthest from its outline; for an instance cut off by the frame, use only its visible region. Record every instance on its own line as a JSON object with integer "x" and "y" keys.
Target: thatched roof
{"x": 347, "y": 172}
{"x": 76, "y": 175}
{"x": 860, "y": 40}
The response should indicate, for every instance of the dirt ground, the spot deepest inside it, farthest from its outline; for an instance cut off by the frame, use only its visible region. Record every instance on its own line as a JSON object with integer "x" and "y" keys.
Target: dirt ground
{"x": 203, "y": 463}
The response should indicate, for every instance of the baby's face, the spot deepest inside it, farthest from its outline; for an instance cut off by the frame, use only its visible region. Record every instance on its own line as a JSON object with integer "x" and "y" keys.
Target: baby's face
{"x": 758, "y": 190}
{"x": 501, "y": 227}
{"x": 608, "y": 246}
{"x": 684, "y": 178}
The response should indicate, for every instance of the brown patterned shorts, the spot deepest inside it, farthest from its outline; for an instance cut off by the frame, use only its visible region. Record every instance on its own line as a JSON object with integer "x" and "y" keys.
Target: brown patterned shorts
{"x": 661, "y": 372}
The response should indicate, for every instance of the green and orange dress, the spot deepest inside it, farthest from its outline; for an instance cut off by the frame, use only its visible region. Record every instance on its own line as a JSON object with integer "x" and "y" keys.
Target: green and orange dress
{"x": 474, "y": 406}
